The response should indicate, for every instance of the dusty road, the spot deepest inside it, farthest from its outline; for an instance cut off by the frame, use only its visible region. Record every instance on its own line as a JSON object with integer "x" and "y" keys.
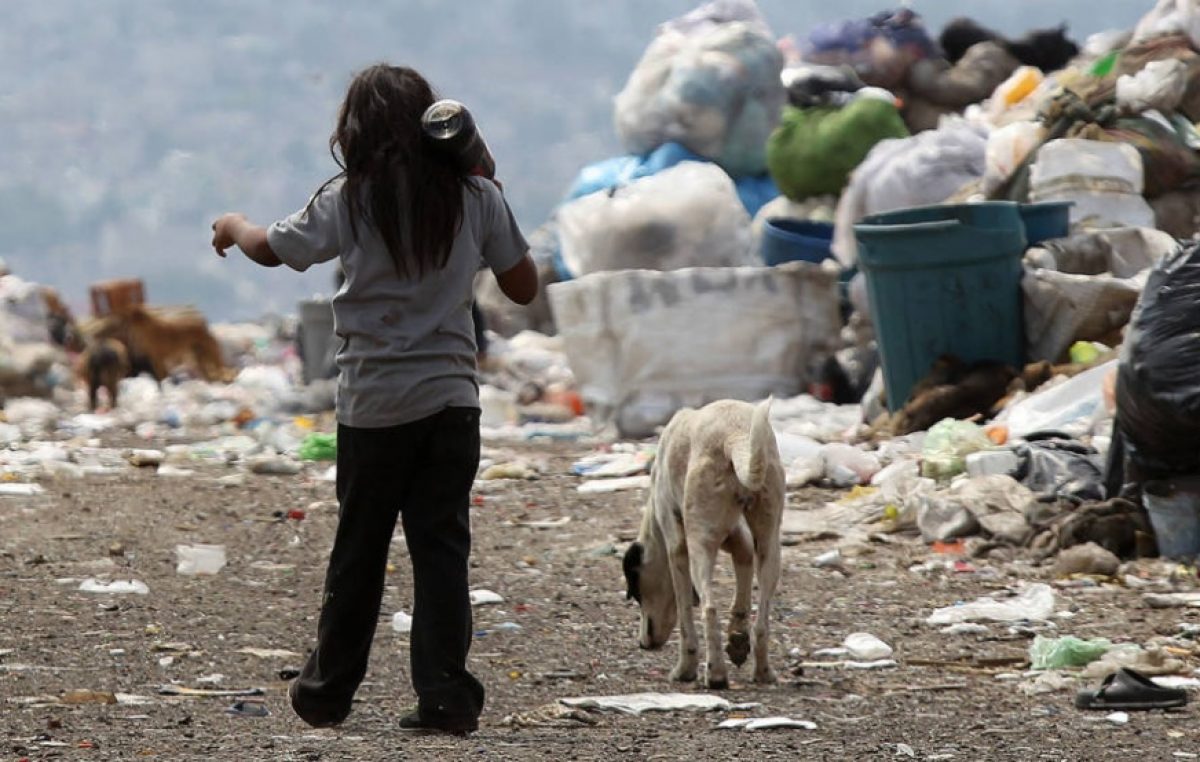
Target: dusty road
{"x": 562, "y": 585}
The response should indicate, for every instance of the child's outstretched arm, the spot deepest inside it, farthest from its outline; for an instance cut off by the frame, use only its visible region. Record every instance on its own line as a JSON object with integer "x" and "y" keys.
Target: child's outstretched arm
{"x": 235, "y": 230}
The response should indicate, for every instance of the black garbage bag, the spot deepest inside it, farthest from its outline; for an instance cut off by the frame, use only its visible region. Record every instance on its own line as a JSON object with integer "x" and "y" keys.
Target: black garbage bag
{"x": 1158, "y": 382}
{"x": 1056, "y": 467}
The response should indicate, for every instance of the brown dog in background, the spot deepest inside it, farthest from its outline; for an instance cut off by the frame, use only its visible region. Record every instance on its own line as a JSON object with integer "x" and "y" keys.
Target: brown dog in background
{"x": 103, "y": 363}
{"x": 171, "y": 340}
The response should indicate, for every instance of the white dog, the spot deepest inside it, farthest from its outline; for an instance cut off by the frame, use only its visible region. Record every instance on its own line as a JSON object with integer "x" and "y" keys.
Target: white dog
{"x": 717, "y": 483}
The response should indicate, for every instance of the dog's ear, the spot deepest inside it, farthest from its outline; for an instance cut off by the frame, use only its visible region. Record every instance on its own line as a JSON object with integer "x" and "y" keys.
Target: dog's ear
{"x": 632, "y": 564}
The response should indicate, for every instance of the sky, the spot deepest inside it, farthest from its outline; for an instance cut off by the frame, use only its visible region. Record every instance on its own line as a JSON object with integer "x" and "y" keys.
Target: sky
{"x": 130, "y": 124}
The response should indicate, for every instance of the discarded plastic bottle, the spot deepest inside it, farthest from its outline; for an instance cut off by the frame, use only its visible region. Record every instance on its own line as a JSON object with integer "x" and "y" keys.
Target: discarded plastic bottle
{"x": 452, "y": 128}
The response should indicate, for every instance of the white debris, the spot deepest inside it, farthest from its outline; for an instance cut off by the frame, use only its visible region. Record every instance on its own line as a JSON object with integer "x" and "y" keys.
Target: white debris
{"x": 1035, "y": 603}
{"x": 199, "y": 559}
{"x": 118, "y": 587}
{"x": 484, "y": 597}
{"x": 863, "y": 646}
{"x": 638, "y": 703}
{"x": 599, "y": 486}
{"x": 402, "y": 622}
{"x": 766, "y": 723}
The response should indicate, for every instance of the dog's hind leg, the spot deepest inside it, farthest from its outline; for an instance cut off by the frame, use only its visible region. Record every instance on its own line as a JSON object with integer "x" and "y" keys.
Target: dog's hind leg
{"x": 681, "y": 581}
{"x": 741, "y": 546}
{"x": 703, "y": 548}
{"x": 767, "y": 557}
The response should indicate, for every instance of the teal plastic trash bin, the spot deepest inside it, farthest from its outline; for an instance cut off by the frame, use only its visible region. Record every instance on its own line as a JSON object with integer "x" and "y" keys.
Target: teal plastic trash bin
{"x": 943, "y": 280}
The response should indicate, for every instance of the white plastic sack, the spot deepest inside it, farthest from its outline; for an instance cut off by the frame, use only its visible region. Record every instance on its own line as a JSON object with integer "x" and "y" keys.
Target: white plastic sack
{"x": 1072, "y": 407}
{"x": 1007, "y": 147}
{"x": 644, "y": 344}
{"x": 1085, "y": 287}
{"x": 716, "y": 90}
{"x": 1159, "y": 86}
{"x": 25, "y": 311}
{"x": 1104, "y": 180}
{"x": 995, "y": 504}
{"x": 1170, "y": 17}
{"x": 1035, "y": 603}
{"x": 927, "y": 168}
{"x": 685, "y": 216}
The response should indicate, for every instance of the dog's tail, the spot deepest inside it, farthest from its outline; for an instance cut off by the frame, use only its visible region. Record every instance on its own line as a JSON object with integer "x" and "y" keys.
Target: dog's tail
{"x": 749, "y": 452}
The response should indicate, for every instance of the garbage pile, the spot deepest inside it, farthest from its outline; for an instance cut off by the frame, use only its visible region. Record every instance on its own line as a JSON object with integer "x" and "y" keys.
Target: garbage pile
{"x": 947, "y": 256}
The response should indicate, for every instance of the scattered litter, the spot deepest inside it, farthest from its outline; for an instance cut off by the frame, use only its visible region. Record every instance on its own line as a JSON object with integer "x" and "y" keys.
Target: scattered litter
{"x": 1069, "y": 651}
{"x": 318, "y": 447}
{"x": 118, "y": 587}
{"x": 88, "y": 697}
{"x": 611, "y": 465}
{"x": 552, "y": 715}
{"x": 174, "y": 471}
{"x": 904, "y": 750}
{"x": 766, "y": 723}
{"x": 248, "y": 709}
{"x": 402, "y": 622}
{"x": 183, "y": 690}
{"x": 1175, "y": 681}
{"x": 513, "y": 470}
{"x": 1172, "y": 600}
{"x": 485, "y": 597}
{"x": 146, "y": 458}
{"x": 132, "y": 699}
{"x": 829, "y": 559}
{"x": 273, "y": 466}
{"x": 851, "y": 664}
{"x": 964, "y": 628}
{"x": 200, "y": 559}
{"x": 1048, "y": 682}
{"x": 1035, "y": 604}
{"x": 639, "y": 703}
{"x": 21, "y": 490}
{"x": 546, "y": 524}
{"x": 1117, "y": 718}
{"x": 598, "y": 486}
{"x": 865, "y": 647}
{"x": 269, "y": 653}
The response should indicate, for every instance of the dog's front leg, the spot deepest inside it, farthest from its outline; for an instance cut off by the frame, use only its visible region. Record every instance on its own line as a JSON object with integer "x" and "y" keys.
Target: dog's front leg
{"x": 704, "y": 558}
{"x": 681, "y": 582}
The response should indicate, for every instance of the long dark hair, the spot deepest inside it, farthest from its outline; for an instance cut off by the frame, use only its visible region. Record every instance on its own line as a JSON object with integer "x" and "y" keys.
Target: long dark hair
{"x": 394, "y": 180}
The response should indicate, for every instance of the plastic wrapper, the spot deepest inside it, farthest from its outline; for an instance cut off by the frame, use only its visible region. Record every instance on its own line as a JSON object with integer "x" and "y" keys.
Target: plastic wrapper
{"x": 1007, "y": 147}
{"x": 716, "y": 90}
{"x": 947, "y": 445}
{"x": 1158, "y": 395}
{"x": 1035, "y": 604}
{"x": 1159, "y": 86}
{"x": 1069, "y": 651}
{"x": 686, "y": 216}
{"x": 1060, "y": 468}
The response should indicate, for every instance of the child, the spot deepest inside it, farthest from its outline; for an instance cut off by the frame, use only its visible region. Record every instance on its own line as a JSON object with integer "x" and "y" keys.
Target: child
{"x": 410, "y": 231}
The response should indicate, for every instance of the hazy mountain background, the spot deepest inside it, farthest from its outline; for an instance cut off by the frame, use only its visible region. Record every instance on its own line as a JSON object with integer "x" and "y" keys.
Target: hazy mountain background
{"x": 129, "y": 124}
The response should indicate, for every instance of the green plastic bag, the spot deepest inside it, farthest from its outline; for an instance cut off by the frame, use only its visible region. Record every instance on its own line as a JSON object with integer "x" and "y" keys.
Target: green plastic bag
{"x": 319, "y": 447}
{"x": 947, "y": 446}
{"x": 1069, "y": 651}
{"x": 814, "y": 150}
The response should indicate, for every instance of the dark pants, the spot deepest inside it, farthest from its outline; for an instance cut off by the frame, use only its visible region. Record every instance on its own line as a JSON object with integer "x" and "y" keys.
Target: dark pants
{"x": 423, "y": 472}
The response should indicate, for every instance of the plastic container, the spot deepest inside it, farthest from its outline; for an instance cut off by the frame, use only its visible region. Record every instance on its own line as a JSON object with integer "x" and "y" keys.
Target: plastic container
{"x": 943, "y": 280}
{"x": 316, "y": 338}
{"x": 199, "y": 559}
{"x": 1174, "y": 509}
{"x": 1046, "y": 220}
{"x": 787, "y": 240}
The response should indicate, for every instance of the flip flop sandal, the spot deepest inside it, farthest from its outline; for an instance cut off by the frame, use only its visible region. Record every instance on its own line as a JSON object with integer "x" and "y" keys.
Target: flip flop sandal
{"x": 1129, "y": 690}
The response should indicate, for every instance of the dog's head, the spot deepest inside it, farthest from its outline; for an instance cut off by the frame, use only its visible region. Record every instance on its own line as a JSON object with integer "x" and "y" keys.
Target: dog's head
{"x": 648, "y": 581}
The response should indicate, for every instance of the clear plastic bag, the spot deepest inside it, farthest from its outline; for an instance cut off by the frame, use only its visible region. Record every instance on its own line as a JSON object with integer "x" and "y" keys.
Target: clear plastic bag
{"x": 686, "y": 216}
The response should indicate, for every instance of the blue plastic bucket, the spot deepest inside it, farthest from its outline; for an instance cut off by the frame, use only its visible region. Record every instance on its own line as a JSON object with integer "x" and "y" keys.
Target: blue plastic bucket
{"x": 943, "y": 280}
{"x": 1046, "y": 220}
{"x": 789, "y": 240}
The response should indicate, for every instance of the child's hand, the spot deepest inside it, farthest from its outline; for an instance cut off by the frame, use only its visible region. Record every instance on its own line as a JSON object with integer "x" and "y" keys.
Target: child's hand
{"x": 225, "y": 231}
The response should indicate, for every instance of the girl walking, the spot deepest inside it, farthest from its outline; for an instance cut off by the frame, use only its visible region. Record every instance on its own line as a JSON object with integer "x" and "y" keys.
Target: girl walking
{"x": 410, "y": 230}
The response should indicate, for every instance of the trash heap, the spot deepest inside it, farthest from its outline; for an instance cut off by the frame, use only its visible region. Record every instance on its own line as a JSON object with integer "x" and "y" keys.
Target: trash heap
{"x": 948, "y": 259}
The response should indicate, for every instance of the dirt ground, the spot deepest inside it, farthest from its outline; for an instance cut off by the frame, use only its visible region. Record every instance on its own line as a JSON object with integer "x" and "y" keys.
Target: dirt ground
{"x": 561, "y": 585}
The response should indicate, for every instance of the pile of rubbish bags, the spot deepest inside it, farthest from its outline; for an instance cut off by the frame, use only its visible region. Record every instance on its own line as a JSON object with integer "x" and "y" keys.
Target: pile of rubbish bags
{"x": 723, "y": 256}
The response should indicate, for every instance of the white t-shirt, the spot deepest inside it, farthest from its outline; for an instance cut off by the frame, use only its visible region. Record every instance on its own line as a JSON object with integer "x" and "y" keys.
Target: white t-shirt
{"x": 408, "y": 344}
